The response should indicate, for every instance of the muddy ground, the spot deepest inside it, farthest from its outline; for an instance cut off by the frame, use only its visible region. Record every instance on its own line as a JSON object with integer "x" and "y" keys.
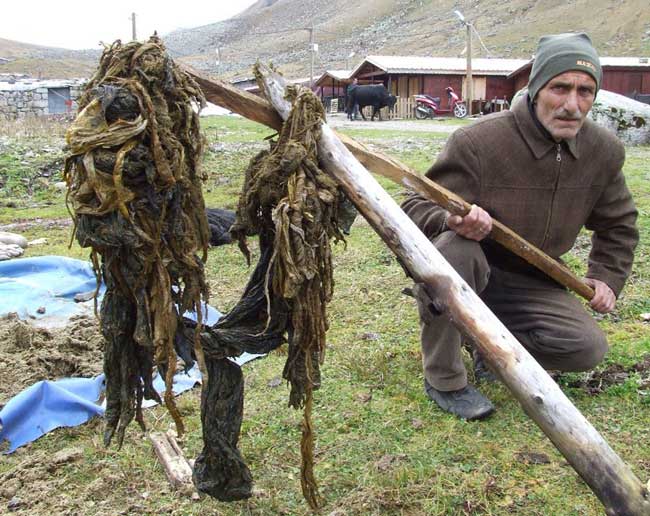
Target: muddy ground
{"x": 29, "y": 354}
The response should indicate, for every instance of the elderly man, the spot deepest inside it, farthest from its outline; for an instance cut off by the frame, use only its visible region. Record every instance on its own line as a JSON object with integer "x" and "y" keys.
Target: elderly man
{"x": 546, "y": 171}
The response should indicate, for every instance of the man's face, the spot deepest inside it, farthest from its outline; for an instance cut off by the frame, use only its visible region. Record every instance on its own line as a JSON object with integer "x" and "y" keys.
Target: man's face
{"x": 563, "y": 103}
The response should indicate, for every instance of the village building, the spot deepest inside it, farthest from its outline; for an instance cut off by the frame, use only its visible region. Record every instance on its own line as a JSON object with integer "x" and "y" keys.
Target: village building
{"x": 493, "y": 79}
{"x": 332, "y": 85}
{"x": 629, "y": 76}
{"x": 405, "y": 76}
{"x": 29, "y": 97}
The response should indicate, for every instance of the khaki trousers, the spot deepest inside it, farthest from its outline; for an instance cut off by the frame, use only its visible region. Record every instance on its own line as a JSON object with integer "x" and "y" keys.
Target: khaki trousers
{"x": 542, "y": 315}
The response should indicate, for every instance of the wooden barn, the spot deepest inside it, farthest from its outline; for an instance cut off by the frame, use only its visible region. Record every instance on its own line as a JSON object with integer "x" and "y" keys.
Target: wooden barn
{"x": 332, "y": 85}
{"x": 629, "y": 76}
{"x": 405, "y": 76}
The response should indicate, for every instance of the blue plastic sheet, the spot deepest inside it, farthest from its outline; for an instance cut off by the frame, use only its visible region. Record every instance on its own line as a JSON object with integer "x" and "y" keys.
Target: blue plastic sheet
{"x": 44, "y": 282}
{"x": 52, "y": 282}
{"x": 47, "y": 405}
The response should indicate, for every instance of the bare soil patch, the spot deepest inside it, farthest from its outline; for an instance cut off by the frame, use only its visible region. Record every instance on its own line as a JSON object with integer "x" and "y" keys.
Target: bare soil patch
{"x": 29, "y": 354}
{"x": 595, "y": 382}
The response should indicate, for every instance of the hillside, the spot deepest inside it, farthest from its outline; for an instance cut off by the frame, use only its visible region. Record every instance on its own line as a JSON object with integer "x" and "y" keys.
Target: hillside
{"x": 275, "y": 31}
{"x": 46, "y": 62}
{"x": 270, "y": 31}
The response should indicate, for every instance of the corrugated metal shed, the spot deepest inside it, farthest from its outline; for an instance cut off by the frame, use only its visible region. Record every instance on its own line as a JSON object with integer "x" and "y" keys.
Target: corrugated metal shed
{"x": 441, "y": 65}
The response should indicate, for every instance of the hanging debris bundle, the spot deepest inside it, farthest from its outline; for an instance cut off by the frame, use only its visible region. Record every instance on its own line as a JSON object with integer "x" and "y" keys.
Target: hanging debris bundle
{"x": 294, "y": 208}
{"x": 134, "y": 187}
{"x": 135, "y": 191}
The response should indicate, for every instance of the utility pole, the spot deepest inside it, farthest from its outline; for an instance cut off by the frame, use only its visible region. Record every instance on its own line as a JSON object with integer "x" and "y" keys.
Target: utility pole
{"x": 133, "y": 34}
{"x": 469, "y": 80}
{"x": 311, "y": 46}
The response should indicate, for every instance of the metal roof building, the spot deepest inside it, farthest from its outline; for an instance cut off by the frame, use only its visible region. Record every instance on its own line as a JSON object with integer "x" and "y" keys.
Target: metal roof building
{"x": 441, "y": 65}
{"x": 405, "y": 76}
{"x": 629, "y": 76}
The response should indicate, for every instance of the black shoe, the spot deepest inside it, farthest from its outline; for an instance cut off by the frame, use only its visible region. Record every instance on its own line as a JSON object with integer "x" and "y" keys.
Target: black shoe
{"x": 466, "y": 403}
{"x": 482, "y": 374}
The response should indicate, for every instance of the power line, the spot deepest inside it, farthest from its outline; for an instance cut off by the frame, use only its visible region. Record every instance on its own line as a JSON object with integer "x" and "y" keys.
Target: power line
{"x": 481, "y": 41}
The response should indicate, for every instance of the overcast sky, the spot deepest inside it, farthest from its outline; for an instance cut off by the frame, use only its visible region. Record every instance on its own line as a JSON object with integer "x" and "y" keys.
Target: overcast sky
{"x": 83, "y": 24}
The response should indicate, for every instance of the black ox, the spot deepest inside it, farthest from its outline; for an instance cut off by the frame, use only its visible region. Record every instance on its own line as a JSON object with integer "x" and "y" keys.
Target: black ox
{"x": 375, "y": 95}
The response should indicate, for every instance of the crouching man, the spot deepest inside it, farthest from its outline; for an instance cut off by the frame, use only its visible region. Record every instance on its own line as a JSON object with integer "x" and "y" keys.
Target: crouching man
{"x": 546, "y": 171}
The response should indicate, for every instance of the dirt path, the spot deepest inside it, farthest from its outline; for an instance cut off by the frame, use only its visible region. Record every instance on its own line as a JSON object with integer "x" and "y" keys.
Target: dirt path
{"x": 44, "y": 223}
{"x": 340, "y": 121}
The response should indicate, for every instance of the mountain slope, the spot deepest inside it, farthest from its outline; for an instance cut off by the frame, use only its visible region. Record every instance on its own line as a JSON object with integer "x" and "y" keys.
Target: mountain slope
{"x": 273, "y": 30}
{"x": 46, "y": 62}
{"x": 276, "y": 31}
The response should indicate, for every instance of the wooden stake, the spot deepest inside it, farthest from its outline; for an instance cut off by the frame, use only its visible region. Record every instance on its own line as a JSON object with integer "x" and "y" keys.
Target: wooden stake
{"x": 259, "y": 110}
{"x": 613, "y": 482}
{"x": 177, "y": 469}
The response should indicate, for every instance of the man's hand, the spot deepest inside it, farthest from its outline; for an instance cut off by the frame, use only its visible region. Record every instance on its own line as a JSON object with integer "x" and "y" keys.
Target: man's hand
{"x": 604, "y": 299}
{"x": 476, "y": 225}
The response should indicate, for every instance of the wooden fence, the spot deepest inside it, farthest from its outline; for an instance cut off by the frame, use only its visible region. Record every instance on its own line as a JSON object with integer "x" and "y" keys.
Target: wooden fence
{"x": 405, "y": 108}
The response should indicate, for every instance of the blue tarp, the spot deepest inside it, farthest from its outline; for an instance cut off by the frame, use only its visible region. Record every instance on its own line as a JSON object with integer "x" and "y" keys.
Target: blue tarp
{"x": 52, "y": 282}
{"x": 48, "y": 405}
{"x": 48, "y": 282}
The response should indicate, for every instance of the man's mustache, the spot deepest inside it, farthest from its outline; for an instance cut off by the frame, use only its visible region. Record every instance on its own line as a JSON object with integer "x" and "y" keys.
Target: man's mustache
{"x": 568, "y": 115}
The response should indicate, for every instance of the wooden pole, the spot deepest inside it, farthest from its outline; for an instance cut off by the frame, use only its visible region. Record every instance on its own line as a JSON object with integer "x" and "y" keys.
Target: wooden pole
{"x": 253, "y": 107}
{"x": 312, "y": 52}
{"x": 469, "y": 79}
{"x": 613, "y": 482}
{"x": 133, "y": 32}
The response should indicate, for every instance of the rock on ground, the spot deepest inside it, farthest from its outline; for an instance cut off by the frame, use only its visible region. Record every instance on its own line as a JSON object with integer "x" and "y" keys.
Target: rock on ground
{"x": 627, "y": 118}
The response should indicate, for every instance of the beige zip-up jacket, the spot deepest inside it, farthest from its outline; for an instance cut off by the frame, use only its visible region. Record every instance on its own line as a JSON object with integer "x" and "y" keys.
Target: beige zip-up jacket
{"x": 545, "y": 191}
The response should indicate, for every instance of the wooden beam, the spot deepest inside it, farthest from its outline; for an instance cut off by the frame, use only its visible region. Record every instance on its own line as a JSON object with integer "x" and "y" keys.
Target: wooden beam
{"x": 613, "y": 482}
{"x": 259, "y": 110}
{"x": 239, "y": 101}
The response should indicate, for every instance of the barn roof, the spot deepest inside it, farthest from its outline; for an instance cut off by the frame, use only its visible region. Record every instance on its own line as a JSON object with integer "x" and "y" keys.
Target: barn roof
{"x": 442, "y": 65}
{"x": 337, "y": 75}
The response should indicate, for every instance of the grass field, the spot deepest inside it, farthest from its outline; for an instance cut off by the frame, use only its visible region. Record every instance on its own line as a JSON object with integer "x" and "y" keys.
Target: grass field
{"x": 381, "y": 448}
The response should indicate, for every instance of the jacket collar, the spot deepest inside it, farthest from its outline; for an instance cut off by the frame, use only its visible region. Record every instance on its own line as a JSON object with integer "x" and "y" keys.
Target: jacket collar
{"x": 535, "y": 136}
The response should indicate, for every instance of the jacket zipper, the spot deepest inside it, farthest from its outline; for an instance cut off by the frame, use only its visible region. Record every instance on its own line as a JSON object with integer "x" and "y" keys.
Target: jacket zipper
{"x": 558, "y": 159}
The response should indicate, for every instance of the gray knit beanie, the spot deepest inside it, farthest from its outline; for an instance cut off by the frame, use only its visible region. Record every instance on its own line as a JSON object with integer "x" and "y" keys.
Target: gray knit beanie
{"x": 561, "y": 53}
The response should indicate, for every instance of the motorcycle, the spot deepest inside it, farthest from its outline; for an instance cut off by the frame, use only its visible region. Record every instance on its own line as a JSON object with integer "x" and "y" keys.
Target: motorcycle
{"x": 427, "y": 106}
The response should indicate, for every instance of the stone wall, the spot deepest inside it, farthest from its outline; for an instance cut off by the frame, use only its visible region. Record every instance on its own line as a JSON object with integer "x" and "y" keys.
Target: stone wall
{"x": 20, "y": 103}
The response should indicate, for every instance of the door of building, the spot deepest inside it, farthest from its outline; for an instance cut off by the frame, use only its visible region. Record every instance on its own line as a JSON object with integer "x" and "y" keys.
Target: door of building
{"x": 58, "y": 100}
